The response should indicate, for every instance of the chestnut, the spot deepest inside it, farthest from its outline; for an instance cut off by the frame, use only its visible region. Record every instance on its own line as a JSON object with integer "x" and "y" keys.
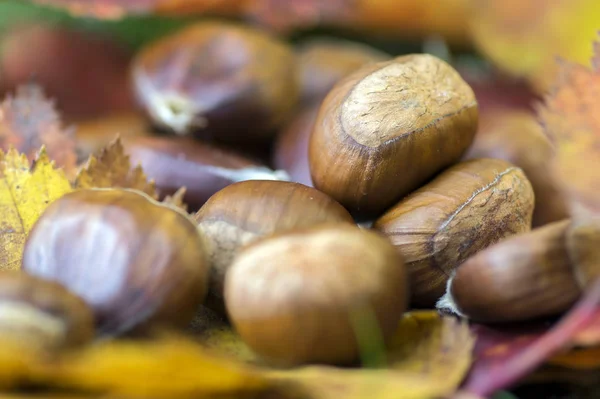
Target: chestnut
{"x": 291, "y": 146}
{"x": 203, "y": 169}
{"x": 537, "y": 274}
{"x": 389, "y": 127}
{"x": 296, "y": 297}
{"x": 467, "y": 208}
{"x": 517, "y": 137}
{"x": 324, "y": 61}
{"x": 245, "y": 211}
{"x": 218, "y": 80}
{"x": 136, "y": 262}
{"x": 42, "y": 314}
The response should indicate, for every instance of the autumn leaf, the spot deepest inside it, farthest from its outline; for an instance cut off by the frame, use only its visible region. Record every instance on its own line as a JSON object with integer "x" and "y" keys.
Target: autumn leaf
{"x": 25, "y": 192}
{"x": 505, "y": 357}
{"x": 570, "y": 117}
{"x": 28, "y": 120}
{"x": 525, "y": 37}
{"x": 176, "y": 199}
{"x": 112, "y": 169}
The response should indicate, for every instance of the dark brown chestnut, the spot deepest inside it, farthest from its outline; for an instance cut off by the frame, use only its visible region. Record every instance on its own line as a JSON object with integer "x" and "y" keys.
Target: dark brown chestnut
{"x": 137, "y": 263}
{"x": 203, "y": 169}
{"x": 218, "y": 80}
{"x": 388, "y": 128}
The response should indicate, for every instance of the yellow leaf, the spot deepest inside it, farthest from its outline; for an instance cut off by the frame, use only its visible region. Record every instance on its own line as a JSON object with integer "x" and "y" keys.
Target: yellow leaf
{"x": 166, "y": 368}
{"x": 25, "y": 192}
{"x": 429, "y": 356}
{"x": 525, "y": 37}
{"x": 113, "y": 169}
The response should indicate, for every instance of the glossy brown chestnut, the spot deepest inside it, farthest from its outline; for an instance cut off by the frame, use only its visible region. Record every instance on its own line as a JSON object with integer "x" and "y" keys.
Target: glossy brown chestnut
{"x": 324, "y": 61}
{"x": 517, "y": 137}
{"x": 389, "y": 127}
{"x": 219, "y": 80}
{"x": 42, "y": 314}
{"x": 465, "y": 209}
{"x": 137, "y": 263}
{"x": 536, "y": 274}
{"x": 291, "y": 146}
{"x": 245, "y": 211}
{"x": 297, "y": 297}
{"x": 203, "y": 169}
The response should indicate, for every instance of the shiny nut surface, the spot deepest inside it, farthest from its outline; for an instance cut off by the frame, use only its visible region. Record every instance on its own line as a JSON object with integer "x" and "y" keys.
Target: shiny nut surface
{"x": 465, "y": 209}
{"x": 135, "y": 262}
{"x": 537, "y": 274}
{"x": 42, "y": 313}
{"x": 218, "y": 80}
{"x": 295, "y": 297}
{"x": 389, "y": 127}
{"x": 246, "y": 211}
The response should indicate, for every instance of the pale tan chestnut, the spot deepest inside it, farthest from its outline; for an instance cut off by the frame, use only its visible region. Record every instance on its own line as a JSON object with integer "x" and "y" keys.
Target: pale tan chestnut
{"x": 296, "y": 297}
{"x": 465, "y": 209}
{"x": 536, "y": 274}
{"x": 389, "y": 127}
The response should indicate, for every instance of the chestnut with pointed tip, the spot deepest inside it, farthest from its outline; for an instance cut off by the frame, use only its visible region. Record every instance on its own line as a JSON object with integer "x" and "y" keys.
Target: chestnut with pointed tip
{"x": 137, "y": 263}
{"x": 42, "y": 314}
{"x": 389, "y": 127}
{"x": 538, "y": 274}
{"x": 296, "y": 297}
{"x": 465, "y": 209}
{"x": 245, "y": 211}
{"x": 218, "y": 80}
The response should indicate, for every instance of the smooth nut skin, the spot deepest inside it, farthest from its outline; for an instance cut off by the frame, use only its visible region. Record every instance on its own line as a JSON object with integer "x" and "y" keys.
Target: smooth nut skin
{"x": 517, "y": 137}
{"x": 537, "y": 274}
{"x": 294, "y": 297}
{"x": 323, "y": 62}
{"x": 291, "y": 146}
{"x": 465, "y": 209}
{"x": 42, "y": 313}
{"x": 389, "y": 127}
{"x": 203, "y": 169}
{"x": 136, "y": 263}
{"x": 218, "y": 80}
{"x": 245, "y": 211}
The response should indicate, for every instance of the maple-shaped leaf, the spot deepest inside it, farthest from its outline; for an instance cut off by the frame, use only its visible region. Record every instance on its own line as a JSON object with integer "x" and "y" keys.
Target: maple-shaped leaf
{"x": 25, "y": 192}
{"x": 112, "y": 168}
{"x": 571, "y": 117}
{"x": 524, "y": 37}
{"x": 29, "y": 120}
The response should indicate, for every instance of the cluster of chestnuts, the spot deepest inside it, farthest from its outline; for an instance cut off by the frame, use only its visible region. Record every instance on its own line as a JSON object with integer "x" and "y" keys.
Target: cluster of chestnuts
{"x": 384, "y": 199}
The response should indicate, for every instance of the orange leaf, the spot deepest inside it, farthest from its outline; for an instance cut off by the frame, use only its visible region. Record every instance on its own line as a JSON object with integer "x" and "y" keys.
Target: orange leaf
{"x": 571, "y": 117}
{"x": 28, "y": 121}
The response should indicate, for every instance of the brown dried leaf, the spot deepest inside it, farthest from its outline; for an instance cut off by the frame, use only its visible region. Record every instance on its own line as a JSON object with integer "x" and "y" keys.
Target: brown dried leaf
{"x": 29, "y": 120}
{"x": 113, "y": 169}
{"x": 570, "y": 116}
